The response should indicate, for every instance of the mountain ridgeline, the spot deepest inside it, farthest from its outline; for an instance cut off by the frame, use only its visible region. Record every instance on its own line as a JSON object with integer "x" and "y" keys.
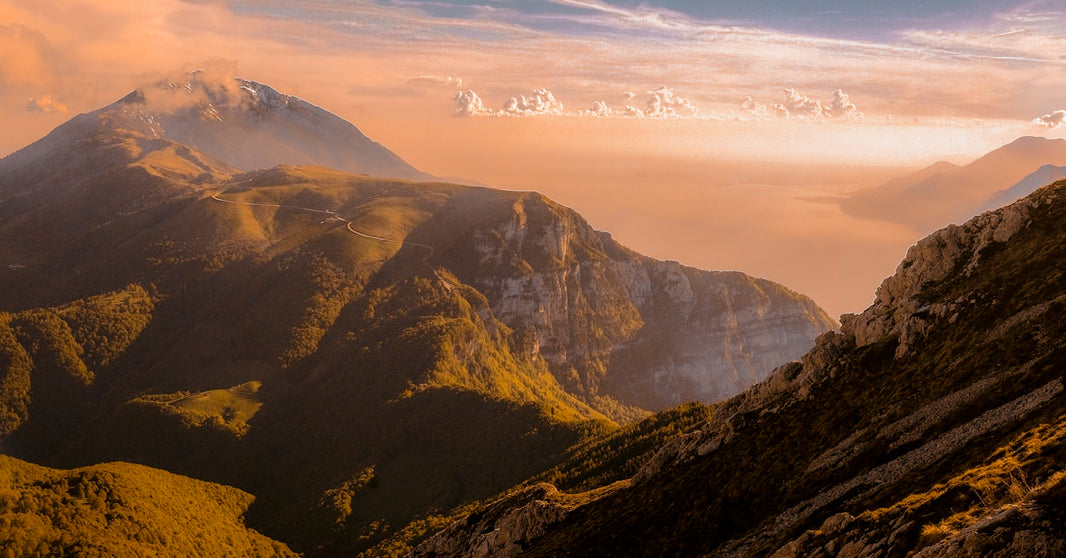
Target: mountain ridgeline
{"x": 330, "y": 342}
{"x": 947, "y": 193}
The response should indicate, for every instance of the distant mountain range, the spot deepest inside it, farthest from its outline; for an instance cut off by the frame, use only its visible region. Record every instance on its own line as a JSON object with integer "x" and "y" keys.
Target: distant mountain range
{"x": 946, "y": 193}
{"x": 1040, "y": 177}
{"x": 356, "y": 352}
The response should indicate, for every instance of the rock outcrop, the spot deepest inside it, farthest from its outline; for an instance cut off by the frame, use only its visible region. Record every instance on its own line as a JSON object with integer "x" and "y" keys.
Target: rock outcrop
{"x": 956, "y": 250}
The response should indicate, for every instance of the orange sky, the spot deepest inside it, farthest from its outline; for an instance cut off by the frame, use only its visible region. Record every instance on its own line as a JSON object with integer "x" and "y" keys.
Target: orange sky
{"x": 701, "y": 178}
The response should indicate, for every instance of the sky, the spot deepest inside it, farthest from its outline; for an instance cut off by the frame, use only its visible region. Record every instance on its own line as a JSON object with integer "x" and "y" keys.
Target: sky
{"x": 712, "y": 133}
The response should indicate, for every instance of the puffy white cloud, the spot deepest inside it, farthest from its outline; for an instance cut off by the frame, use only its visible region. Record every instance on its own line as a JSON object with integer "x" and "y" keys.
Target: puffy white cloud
{"x": 599, "y": 109}
{"x": 467, "y": 103}
{"x": 751, "y": 106}
{"x": 45, "y": 104}
{"x": 661, "y": 103}
{"x": 1053, "y": 119}
{"x": 761, "y": 111}
{"x": 540, "y": 102}
{"x": 841, "y": 106}
{"x": 664, "y": 103}
{"x": 800, "y": 106}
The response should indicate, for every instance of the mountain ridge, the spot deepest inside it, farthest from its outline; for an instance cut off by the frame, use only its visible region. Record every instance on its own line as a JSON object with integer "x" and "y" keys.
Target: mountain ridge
{"x": 122, "y": 509}
{"x": 945, "y": 193}
{"x": 286, "y": 331}
{"x": 1046, "y": 174}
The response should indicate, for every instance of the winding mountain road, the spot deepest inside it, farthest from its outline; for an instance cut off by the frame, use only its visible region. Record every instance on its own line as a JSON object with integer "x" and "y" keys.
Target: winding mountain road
{"x": 333, "y": 215}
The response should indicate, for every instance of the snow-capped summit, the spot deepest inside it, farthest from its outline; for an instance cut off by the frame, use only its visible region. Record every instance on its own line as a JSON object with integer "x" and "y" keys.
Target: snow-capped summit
{"x": 246, "y": 124}
{"x": 251, "y": 125}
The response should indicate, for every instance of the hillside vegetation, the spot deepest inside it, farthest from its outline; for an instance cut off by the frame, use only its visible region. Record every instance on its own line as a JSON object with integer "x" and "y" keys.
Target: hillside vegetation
{"x": 121, "y": 509}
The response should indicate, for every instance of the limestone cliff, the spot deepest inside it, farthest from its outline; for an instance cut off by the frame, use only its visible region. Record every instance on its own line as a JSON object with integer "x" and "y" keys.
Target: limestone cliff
{"x": 612, "y": 323}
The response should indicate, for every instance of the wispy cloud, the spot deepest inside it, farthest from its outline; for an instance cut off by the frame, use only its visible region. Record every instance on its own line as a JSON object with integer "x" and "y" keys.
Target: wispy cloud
{"x": 643, "y": 18}
{"x": 45, "y": 104}
{"x": 446, "y": 81}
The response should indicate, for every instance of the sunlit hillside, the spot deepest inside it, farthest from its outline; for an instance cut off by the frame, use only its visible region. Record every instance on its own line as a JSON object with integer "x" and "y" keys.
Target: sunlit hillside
{"x": 122, "y": 509}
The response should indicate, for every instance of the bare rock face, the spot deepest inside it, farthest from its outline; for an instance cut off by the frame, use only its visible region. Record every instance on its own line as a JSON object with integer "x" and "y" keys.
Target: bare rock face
{"x": 612, "y": 323}
{"x": 954, "y": 250}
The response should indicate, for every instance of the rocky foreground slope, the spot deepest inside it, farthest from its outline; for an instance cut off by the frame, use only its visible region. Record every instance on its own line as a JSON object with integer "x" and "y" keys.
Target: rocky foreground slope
{"x": 933, "y": 424}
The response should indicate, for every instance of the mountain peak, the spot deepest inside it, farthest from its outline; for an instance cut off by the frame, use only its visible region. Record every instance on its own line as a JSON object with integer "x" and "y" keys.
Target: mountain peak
{"x": 1034, "y": 140}
{"x": 940, "y": 194}
{"x": 210, "y": 98}
{"x": 246, "y": 124}
{"x": 252, "y": 125}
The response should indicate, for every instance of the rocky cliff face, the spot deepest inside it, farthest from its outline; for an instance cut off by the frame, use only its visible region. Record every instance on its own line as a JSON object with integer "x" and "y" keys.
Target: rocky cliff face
{"x": 612, "y": 323}
{"x": 900, "y": 308}
{"x": 933, "y": 424}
